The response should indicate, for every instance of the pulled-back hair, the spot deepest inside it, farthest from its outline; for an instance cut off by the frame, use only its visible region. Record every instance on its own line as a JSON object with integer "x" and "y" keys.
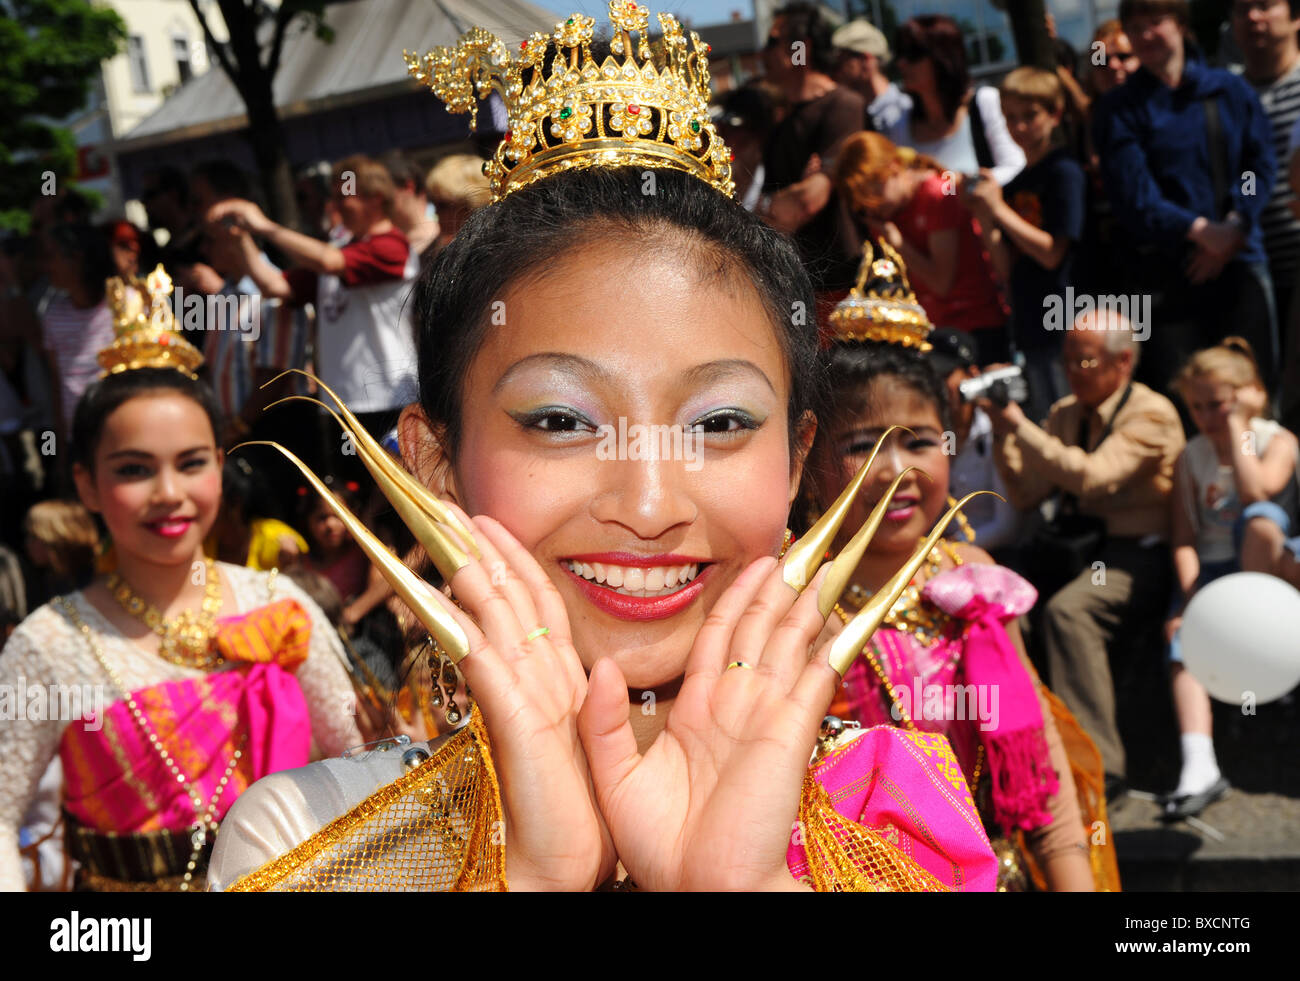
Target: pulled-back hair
{"x": 866, "y": 161}
{"x": 530, "y": 229}
{"x": 104, "y": 396}
{"x": 852, "y": 368}
{"x": 1231, "y": 361}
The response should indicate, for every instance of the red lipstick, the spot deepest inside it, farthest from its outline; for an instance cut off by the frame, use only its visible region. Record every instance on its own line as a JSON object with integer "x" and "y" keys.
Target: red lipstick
{"x": 638, "y": 608}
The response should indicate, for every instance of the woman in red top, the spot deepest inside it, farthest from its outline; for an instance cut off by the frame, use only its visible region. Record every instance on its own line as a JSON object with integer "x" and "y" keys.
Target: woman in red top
{"x": 908, "y": 200}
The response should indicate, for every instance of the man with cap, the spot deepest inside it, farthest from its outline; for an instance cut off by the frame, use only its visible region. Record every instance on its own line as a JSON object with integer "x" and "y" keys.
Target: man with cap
{"x": 864, "y": 53}
{"x": 972, "y": 468}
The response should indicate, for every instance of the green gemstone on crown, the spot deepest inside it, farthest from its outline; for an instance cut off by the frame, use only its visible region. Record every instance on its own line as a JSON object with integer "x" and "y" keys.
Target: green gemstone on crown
{"x": 566, "y": 112}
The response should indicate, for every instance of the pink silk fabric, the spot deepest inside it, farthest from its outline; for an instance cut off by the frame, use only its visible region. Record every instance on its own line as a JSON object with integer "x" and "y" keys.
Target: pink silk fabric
{"x": 909, "y": 789}
{"x": 977, "y": 651}
{"x": 115, "y": 780}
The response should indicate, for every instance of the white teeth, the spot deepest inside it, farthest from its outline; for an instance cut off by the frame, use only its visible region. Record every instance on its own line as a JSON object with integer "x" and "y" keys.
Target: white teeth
{"x": 636, "y": 580}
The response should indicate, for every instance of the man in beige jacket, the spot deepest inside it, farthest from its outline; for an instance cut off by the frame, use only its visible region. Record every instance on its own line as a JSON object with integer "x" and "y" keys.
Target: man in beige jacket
{"x": 1124, "y": 477}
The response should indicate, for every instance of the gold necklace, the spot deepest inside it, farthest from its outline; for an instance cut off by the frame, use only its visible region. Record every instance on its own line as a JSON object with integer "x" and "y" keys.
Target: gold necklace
{"x": 205, "y": 819}
{"x": 185, "y": 639}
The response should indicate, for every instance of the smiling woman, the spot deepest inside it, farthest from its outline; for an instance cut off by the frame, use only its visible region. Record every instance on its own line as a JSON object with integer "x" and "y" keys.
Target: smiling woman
{"x": 214, "y": 675}
{"x": 648, "y": 685}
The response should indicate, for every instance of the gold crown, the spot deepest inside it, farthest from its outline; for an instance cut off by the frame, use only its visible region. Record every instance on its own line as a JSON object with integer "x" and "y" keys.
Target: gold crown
{"x": 146, "y": 337}
{"x": 618, "y": 113}
{"x": 883, "y": 306}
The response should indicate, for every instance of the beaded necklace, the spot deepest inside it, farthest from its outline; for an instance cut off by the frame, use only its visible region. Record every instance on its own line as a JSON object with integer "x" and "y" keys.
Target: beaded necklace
{"x": 204, "y": 820}
{"x": 185, "y": 639}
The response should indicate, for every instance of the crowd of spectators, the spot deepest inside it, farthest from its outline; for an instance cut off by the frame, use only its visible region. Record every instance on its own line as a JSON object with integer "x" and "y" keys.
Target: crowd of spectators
{"x": 1137, "y": 176}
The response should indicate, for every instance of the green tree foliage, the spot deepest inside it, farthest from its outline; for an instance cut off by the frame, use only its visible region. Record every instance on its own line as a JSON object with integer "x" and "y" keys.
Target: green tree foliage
{"x": 50, "y": 52}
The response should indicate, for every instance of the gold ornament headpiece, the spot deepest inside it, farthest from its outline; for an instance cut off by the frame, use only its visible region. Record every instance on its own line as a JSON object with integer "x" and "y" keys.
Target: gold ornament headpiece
{"x": 618, "y": 113}
{"x": 881, "y": 306}
{"x": 145, "y": 334}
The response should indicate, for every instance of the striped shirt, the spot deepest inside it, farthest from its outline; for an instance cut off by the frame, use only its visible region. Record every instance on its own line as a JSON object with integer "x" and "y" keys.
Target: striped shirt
{"x": 1281, "y": 101}
{"x": 236, "y": 354}
{"x": 75, "y": 337}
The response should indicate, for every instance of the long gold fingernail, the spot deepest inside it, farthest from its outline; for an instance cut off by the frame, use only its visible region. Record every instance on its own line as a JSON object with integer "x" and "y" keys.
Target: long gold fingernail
{"x": 846, "y": 647}
{"x": 446, "y": 554}
{"x": 846, "y": 562}
{"x": 413, "y": 590}
{"x": 806, "y": 555}
{"x": 375, "y": 456}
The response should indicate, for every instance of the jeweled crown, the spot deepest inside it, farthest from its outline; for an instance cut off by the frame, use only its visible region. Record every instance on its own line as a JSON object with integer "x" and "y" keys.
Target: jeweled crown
{"x": 881, "y": 306}
{"x": 144, "y": 327}
{"x": 622, "y": 112}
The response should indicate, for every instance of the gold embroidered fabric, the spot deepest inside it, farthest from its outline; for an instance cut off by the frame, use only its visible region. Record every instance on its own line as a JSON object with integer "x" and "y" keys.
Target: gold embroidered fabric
{"x": 844, "y": 856}
{"x": 437, "y": 828}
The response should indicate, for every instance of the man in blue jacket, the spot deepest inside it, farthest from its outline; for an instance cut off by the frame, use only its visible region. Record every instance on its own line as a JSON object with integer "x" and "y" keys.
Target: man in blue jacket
{"x": 1192, "y": 201}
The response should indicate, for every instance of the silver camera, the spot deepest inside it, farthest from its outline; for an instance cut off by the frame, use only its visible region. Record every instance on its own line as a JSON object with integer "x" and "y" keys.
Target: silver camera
{"x": 1000, "y": 386}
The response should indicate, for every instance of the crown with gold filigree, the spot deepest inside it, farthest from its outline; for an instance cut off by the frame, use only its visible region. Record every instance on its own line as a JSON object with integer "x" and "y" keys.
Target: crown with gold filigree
{"x": 567, "y": 112}
{"x": 144, "y": 327}
{"x": 881, "y": 306}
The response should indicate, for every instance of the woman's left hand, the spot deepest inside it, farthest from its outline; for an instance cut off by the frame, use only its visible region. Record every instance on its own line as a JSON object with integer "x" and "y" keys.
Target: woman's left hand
{"x": 712, "y": 804}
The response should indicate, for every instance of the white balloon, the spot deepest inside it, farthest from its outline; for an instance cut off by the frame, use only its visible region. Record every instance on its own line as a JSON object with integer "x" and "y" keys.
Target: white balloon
{"x": 1240, "y": 637}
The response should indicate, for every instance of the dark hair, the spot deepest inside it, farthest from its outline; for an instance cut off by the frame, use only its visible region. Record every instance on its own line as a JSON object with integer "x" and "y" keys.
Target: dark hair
{"x": 225, "y": 179}
{"x": 89, "y": 247}
{"x": 852, "y": 368}
{"x": 107, "y": 394}
{"x": 940, "y": 39}
{"x": 244, "y": 490}
{"x": 165, "y": 179}
{"x": 403, "y": 170}
{"x": 532, "y": 227}
{"x": 805, "y": 21}
{"x": 1130, "y": 9}
{"x": 346, "y": 490}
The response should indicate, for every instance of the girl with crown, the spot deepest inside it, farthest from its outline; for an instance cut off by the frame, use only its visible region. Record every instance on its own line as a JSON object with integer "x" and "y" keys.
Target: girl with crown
{"x": 173, "y": 683}
{"x": 949, "y": 657}
{"x": 649, "y": 679}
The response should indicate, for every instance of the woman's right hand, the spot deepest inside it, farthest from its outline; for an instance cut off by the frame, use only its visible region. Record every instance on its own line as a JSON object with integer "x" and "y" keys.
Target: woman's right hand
{"x": 529, "y": 693}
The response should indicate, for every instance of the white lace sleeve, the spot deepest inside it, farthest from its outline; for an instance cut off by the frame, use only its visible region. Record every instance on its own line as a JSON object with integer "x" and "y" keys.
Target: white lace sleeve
{"x": 331, "y": 702}
{"x": 27, "y": 745}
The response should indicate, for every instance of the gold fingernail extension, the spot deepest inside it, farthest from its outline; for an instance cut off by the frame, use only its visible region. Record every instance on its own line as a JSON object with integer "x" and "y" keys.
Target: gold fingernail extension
{"x": 849, "y": 643}
{"x": 413, "y": 590}
{"x": 805, "y": 556}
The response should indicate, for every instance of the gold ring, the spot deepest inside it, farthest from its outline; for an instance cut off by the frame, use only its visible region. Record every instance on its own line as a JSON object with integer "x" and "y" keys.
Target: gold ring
{"x": 739, "y": 664}
{"x": 537, "y": 632}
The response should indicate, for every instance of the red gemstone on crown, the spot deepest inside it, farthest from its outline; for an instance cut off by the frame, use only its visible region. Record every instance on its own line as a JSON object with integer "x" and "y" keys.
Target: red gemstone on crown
{"x": 634, "y": 109}
{"x": 508, "y": 133}
{"x": 164, "y": 340}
